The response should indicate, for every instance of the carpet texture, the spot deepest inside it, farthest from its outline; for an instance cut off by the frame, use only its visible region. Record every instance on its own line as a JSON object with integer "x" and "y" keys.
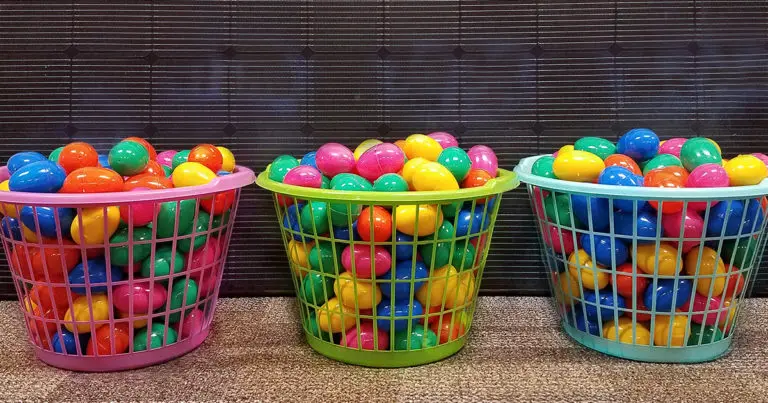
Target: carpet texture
{"x": 515, "y": 352}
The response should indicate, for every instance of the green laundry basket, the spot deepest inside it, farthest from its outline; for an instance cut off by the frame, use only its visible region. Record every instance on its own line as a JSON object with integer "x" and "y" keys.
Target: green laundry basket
{"x": 429, "y": 281}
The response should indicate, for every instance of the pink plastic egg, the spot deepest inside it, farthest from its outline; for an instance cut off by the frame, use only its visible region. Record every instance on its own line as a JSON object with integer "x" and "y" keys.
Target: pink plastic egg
{"x": 700, "y": 304}
{"x": 304, "y": 176}
{"x": 384, "y": 158}
{"x": 553, "y": 240}
{"x": 334, "y": 158}
{"x": 445, "y": 139}
{"x": 203, "y": 265}
{"x": 706, "y": 176}
{"x": 672, "y": 146}
{"x": 364, "y": 265}
{"x": 484, "y": 158}
{"x": 141, "y": 213}
{"x": 693, "y": 227}
{"x": 192, "y": 324}
{"x": 166, "y": 157}
{"x": 140, "y": 292}
{"x": 366, "y": 338}
{"x": 761, "y": 157}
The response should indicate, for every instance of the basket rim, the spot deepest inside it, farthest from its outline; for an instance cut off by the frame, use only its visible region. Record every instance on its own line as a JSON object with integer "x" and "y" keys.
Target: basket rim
{"x": 505, "y": 181}
{"x": 523, "y": 171}
{"x": 239, "y": 178}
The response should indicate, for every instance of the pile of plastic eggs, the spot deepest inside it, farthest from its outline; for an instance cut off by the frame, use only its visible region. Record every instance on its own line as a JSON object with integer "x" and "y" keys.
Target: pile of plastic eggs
{"x": 352, "y": 261}
{"x": 615, "y": 245}
{"x": 78, "y": 260}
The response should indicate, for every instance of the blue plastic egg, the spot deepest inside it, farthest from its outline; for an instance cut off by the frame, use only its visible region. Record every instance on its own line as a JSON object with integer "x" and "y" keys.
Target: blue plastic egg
{"x": 468, "y": 218}
{"x": 46, "y": 216}
{"x": 38, "y": 177}
{"x": 754, "y": 217}
{"x": 639, "y": 144}
{"x": 603, "y": 308}
{"x": 620, "y": 176}
{"x": 582, "y": 323}
{"x": 69, "y": 345}
{"x": 309, "y": 159}
{"x": 404, "y": 270}
{"x": 291, "y": 220}
{"x": 646, "y": 222}
{"x": 404, "y": 248}
{"x": 597, "y": 206}
{"x": 11, "y": 228}
{"x": 603, "y": 254}
{"x": 104, "y": 161}
{"x": 223, "y": 173}
{"x": 664, "y": 294}
{"x": 97, "y": 273}
{"x": 19, "y": 160}
{"x": 401, "y": 309}
{"x": 342, "y": 232}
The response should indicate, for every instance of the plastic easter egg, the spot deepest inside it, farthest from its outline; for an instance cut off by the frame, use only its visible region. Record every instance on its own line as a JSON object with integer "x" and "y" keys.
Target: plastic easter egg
{"x": 219, "y": 203}
{"x": 304, "y": 176}
{"x": 470, "y": 222}
{"x": 450, "y": 210}
{"x": 154, "y": 168}
{"x": 476, "y": 178}
{"x": 200, "y": 227}
{"x": 698, "y": 151}
{"x": 711, "y": 270}
{"x": 444, "y": 282}
{"x": 47, "y": 217}
{"x": 401, "y": 309}
{"x": 410, "y": 168}
{"x": 140, "y": 213}
{"x": 428, "y": 218}
{"x": 139, "y": 297}
{"x": 342, "y": 233}
{"x": 291, "y": 221}
{"x": 166, "y": 218}
{"x": 38, "y": 177}
{"x": 432, "y": 176}
{"x": 365, "y": 264}
{"x": 583, "y": 324}
{"x": 316, "y": 289}
{"x": 11, "y": 228}
{"x": 446, "y": 140}
{"x": 365, "y": 146}
{"x": 740, "y": 252}
{"x": 97, "y": 274}
{"x": 48, "y": 297}
{"x": 148, "y": 181}
{"x": 280, "y": 167}
{"x": 624, "y": 331}
{"x": 181, "y": 157}
{"x": 703, "y": 304}
{"x": 638, "y": 144}
{"x": 207, "y": 155}
{"x": 665, "y": 262}
{"x": 376, "y": 221}
{"x": 689, "y": 222}
{"x": 661, "y": 161}
{"x": 65, "y": 342}
{"x": 156, "y": 337}
{"x": 595, "y": 145}
{"x": 672, "y": 146}
{"x": 484, "y": 158}
{"x": 49, "y": 263}
{"x": 583, "y": 208}
{"x": 605, "y": 253}
{"x": 577, "y": 166}
{"x": 193, "y": 324}
{"x": 147, "y": 146}
{"x": 671, "y": 331}
{"x": 78, "y": 155}
{"x": 602, "y": 307}
{"x": 165, "y": 262}
{"x": 664, "y": 296}
{"x": 314, "y": 218}
{"x": 403, "y": 247}
{"x": 557, "y": 208}
{"x": 7, "y": 209}
{"x": 390, "y": 183}
{"x": 558, "y": 239}
{"x": 107, "y": 337}
{"x": 166, "y": 157}
{"x": 380, "y": 159}
{"x": 621, "y": 160}
{"x": 448, "y": 327}
{"x": 183, "y": 293}
{"x": 191, "y": 174}
{"x": 343, "y": 213}
{"x": 761, "y": 157}
{"x": 734, "y": 283}
{"x": 707, "y": 334}
{"x": 419, "y": 338}
{"x": 706, "y": 176}
{"x": 356, "y": 293}
{"x": 80, "y": 312}
{"x": 664, "y": 179}
{"x": 204, "y": 265}
{"x": 334, "y": 158}
{"x": 92, "y": 230}
{"x": 567, "y": 289}
{"x": 625, "y": 279}
{"x": 745, "y": 170}
{"x": 619, "y": 176}
{"x": 543, "y": 167}
{"x": 404, "y": 270}
{"x": 365, "y": 335}
{"x": 309, "y": 159}
{"x": 335, "y": 317}
{"x": 92, "y": 180}
{"x": 19, "y": 160}
{"x": 421, "y": 146}
{"x": 593, "y": 277}
{"x": 456, "y": 161}
{"x": 128, "y": 158}
{"x": 311, "y": 326}
{"x": 122, "y": 255}
{"x": 54, "y": 155}
{"x": 563, "y": 149}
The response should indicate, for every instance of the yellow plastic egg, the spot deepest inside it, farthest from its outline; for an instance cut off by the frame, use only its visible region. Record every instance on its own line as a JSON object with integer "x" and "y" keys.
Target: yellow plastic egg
{"x": 566, "y": 149}
{"x": 137, "y": 323}
{"x": 429, "y": 218}
{"x": 81, "y": 312}
{"x": 431, "y": 176}
{"x": 410, "y": 168}
{"x": 465, "y": 290}
{"x": 640, "y": 336}
{"x": 577, "y": 166}
{"x": 666, "y": 263}
{"x": 666, "y": 326}
{"x": 192, "y": 174}
{"x": 442, "y": 282}
{"x": 227, "y": 158}
{"x": 419, "y": 145}
{"x": 726, "y": 324}
{"x": 93, "y": 225}
{"x": 364, "y": 292}
{"x": 710, "y": 265}
{"x": 364, "y": 146}
{"x": 335, "y": 317}
{"x": 8, "y": 209}
{"x": 567, "y": 289}
{"x": 592, "y": 275}
{"x": 298, "y": 253}
{"x": 29, "y": 235}
{"x": 745, "y": 170}
{"x": 724, "y": 161}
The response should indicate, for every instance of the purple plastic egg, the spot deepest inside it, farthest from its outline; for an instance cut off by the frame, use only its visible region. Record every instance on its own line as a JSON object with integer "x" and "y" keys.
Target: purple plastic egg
{"x": 304, "y": 176}
{"x": 384, "y": 158}
{"x": 761, "y": 157}
{"x": 364, "y": 264}
{"x": 139, "y": 293}
{"x": 672, "y": 146}
{"x": 706, "y": 176}
{"x": 334, "y": 158}
{"x": 192, "y": 324}
{"x": 166, "y": 157}
{"x": 700, "y": 304}
{"x": 693, "y": 227}
{"x": 484, "y": 158}
{"x": 445, "y": 139}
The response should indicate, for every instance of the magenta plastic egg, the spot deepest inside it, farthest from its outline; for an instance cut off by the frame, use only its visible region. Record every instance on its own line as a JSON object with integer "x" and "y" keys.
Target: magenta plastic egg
{"x": 140, "y": 213}
{"x": 700, "y": 304}
{"x": 484, "y": 158}
{"x": 166, "y": 157}
{"x": 384, "y": 158}
{"x": 202, "y": 263}
{"x": 672, "y": 146}
{"x": 553, "y": 240}
{"x": 445, "y": 139}
{"x": 693, "y": 227}
{"x": 366, "y": 334}
{"x": 365, "y": 266}
{"x": 761, "y": 157}
{"x": 706, "y": 176}
{"x": 192, "y": 324}
{"x": 304, "y": 176}
{"x": 139, "y": 295}
{"x": 334, "y": 158}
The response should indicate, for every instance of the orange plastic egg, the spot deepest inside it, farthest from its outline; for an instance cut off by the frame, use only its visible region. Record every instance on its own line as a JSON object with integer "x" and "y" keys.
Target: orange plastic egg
{"x": 154, "y": 168}
{"x": 147, "y": 181}
{"x": 663, "y": 178}
{"x": 377, "y": 218}
{"x": 475, "y": 179}
{"x": 150, "y": 149}
{"x": 219, "y": 203}
{"x": 446, "y": 330}
{"x": 78, "y": 155}
{"x": 107, "y": 335}
{"x": 92, "y": 180}
{"x": 208, "y": 155}
{"x": 621, "y": 160}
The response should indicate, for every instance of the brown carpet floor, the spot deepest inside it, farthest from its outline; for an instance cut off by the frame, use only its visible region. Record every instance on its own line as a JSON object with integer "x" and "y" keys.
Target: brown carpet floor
{"x": 515, "y": 352}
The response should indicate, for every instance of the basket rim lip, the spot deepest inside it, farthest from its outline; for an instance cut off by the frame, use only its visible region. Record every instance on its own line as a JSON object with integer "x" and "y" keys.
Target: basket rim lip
{"x": 505, "y": 181}
{"x": 240, "y": 177}
{"x": 523, "y": 170}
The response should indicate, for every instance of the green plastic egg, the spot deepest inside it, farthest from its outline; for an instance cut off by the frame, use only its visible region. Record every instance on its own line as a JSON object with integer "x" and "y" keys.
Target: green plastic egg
{"x": 420, "y": 338}
{"x": 343, "y": 214}
{"x": 350, "y": 182}
{"x": 558, "y": 209}
{"x": 155, "y": 337}
{"x": 463, "y": 257}
{"x": 167, "y": 170}
{"x": 165, "y": 261}
{"x": 451, "y": 209}
{"x": 661, "y": 161}
{"x": 744, "y": 252}
{"x": 316, "y": 288}
{"x": 595, "y": 145}
{"x": 543, "y": 167}
{"x": 118, "y": 255}
{"x": 390, "y": 183}
{"x": 322, "y": 258}
{"x": 166, "y": 217}
{"x": 177, "y": 296}
{"x": 280, "y": 167}
{"x": 201, "y": 227}
{"x": 314, "y": 218}
{"x": 54, "y": 155}
{"x": 446, "y": 230}
{"x": 179, "y": 158}
{"x": 457, "y": 161}
{"x": 711, "y": 334}
{"x": 128, "y": 158}
{"x": 698, "y": 151}
{"x": 326, "y": 183}
{"x": 313, "y": 329}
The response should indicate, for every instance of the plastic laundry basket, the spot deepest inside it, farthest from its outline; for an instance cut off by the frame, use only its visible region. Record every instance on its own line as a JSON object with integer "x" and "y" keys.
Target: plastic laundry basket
{"x": 113, "y": 281}
{"x": 634, "y": 279}
{"x": 425, "y": 309}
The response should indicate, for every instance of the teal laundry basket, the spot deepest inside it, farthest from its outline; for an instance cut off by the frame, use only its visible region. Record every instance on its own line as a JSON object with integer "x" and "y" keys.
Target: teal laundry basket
{"x": 645, "y": 281}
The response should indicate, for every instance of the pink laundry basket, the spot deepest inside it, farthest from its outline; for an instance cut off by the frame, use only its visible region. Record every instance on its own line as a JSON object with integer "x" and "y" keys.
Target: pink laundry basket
{"x": 114, "y": 281}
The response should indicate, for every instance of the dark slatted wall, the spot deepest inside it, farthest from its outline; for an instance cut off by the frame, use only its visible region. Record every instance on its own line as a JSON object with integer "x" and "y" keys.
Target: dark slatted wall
{"x": 271, "y": 77}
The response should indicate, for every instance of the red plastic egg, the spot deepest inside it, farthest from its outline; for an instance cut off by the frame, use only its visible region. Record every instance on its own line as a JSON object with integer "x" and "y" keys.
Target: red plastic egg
{"x": 624, "y": 281}
{"x": 476, "y": 178}
{"x": 105, "y": 336}
{"x": 664, "y": 178}
{"x": 735, "y": 284}
{"x": 208, "y": 155}
{"x": 78, "y": 155}
{"x": 92, "y": 180}
{"x": 219, "y": 203}
{"x": 381, "y": 223}
{"x": 147, "y": 181}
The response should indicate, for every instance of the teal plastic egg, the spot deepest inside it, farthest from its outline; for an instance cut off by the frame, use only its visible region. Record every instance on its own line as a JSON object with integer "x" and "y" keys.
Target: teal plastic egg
{"x": 179, "y": 158}
{"x": 698, "y": 151}
{"x": 128, "y": 158}
{"x": 390, "y": 183}
{"x": 280, "y": 167}
{"x": 457, "y": 161}
{"x": 342, "y": 214}
{"x": 596, "y": 145}
{"x": 543, "y": 167}
{"x": 156, "y": 336}
{"x": 314, "y": 218}
{"x": 661, "y": 161}
{"x": 166, "y": 261}
{"x": 322, "y": 258}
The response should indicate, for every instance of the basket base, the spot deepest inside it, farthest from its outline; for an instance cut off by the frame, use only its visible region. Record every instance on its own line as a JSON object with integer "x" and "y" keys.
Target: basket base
{"x": 123, "y": 361}
{"x": 385, "y": 359}
{"x": 680, "y": 355}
